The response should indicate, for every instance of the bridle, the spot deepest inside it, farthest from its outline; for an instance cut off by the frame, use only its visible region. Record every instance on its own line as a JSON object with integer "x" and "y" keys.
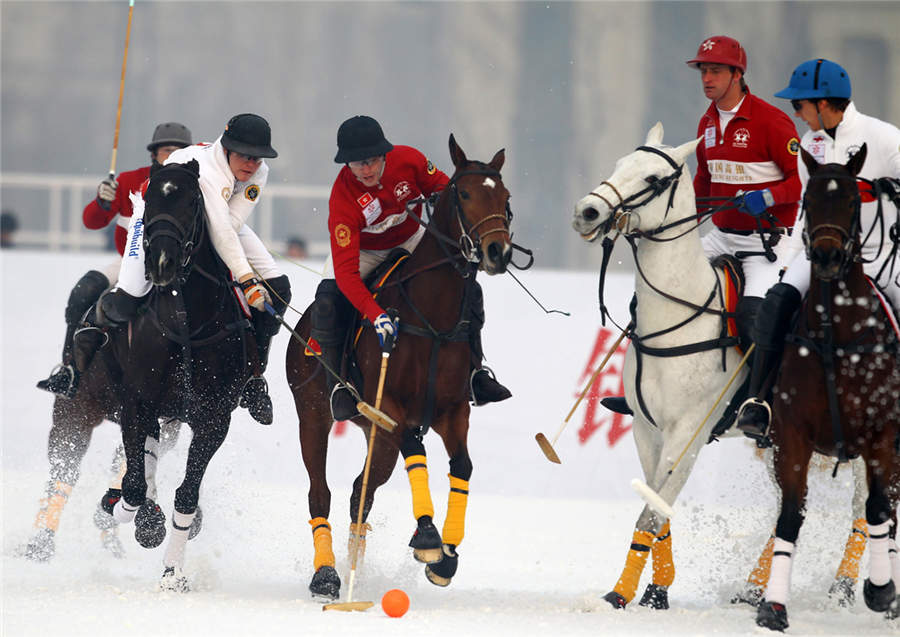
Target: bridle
{"x": 848, "y": 237}
{"x": 470, "y": 247}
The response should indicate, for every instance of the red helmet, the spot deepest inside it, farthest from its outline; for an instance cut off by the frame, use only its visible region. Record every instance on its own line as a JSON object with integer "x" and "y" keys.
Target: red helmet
{"x": 720, "y": 49}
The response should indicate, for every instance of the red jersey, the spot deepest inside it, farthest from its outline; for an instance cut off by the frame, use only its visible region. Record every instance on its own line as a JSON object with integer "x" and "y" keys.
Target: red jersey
{"x": 95, "y": 217}
{"x": 376, "y": 218}
{"x": 757, "y": 150}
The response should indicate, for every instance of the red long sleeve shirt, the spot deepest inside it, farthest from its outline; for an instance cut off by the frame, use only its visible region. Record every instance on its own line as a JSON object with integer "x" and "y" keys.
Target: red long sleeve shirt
{"x": 95, "y": 217}
{"x": 361, "y": 218}
{"x": 757, "y": 150}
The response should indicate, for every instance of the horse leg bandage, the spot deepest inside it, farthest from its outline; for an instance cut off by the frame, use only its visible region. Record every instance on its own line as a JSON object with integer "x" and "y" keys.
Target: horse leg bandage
{"x": 52, "y": 505}
{"x": 856, "y": 545}
{"x": 417, "y": 471}
{"x": 779, "y": 587}
{"x": 321, "y": 532}
{"x": 627, "y": 585}
{"x": 879, "y": 556}
{"x": 455, "y": 524}
{"x": 759, "y": 576}
{"x": 181, "y": 526}
{"x": 663, "y": 565}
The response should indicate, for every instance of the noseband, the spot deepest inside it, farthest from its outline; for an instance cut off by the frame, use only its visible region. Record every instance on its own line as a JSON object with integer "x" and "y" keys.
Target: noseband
{"x": 849, "y": 238}
{"x": 470, "y": 247}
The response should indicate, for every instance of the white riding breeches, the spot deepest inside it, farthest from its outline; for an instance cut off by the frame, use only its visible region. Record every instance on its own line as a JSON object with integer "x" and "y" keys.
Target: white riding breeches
{"x": 371, "y": 259}
{"x": 132, "y": 277}
{"x": 111, "y": 270}
{"x": 759, "y": 273}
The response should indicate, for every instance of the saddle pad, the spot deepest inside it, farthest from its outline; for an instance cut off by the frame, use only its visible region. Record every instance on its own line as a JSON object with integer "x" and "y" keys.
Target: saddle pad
{"x": 377, "y": 286}
{"x": 732, "y": 291}
{"x": 886, "y": 307}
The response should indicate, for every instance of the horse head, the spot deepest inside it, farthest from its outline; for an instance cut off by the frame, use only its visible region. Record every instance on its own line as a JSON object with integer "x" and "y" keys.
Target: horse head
{"x": 481, "y": 205}
{"x": 831, "y": 205}
{"x": 173, "y": 221}
{"x": 630, "y": 199}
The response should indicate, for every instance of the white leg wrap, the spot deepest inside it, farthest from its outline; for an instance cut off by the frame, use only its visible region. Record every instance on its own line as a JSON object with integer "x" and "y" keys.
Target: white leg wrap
{"x": 779, "y": 587}
{"x": 181, "y": 524}
{"x": 151, "y": 459}
{"x": 124, "y": 512}
{"x": 879, "y": 561}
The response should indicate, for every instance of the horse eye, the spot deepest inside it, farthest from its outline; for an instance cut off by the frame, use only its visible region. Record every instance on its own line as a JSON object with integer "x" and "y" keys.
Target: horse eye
{"x": 463, "y": 194}
{"x": 652, "y": 179}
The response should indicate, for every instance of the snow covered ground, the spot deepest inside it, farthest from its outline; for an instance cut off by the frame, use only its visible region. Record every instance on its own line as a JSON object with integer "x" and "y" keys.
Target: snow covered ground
{"x": 543, "y": 542}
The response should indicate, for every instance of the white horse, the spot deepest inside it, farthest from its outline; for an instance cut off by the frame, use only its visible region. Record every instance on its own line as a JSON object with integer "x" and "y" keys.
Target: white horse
{"x": 650, "y": 199}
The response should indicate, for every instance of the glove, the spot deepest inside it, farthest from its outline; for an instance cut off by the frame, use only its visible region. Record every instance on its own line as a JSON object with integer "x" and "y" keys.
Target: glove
{"x": 256, "y": 295}
{"x": 384, "y": 327}
{"x": 755, "y": 202}
{"x": 106, "y": 192}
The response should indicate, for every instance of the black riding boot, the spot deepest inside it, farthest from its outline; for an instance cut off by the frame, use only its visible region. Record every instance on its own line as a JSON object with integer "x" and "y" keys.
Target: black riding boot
{"x": 483, "y": 385}
{"x": 772, "y": 324}
{"x": 328, "y": 330}
{"x": 63, "y": 381}
{"x": 255, "y": 395}
{"x": 116, "y": 307}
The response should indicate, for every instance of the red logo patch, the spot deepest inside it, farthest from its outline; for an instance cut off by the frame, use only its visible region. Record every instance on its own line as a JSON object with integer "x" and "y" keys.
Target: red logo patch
{"x": 365, "y": 200}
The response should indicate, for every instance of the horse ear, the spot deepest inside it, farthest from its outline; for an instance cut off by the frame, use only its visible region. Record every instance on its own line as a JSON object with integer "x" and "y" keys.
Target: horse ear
{"x": 811, "y": 164}
{"x": 456, "y": 153}
{"x": 855, "y": 164}
{"x": 655, "y": 135}
{"x": 681, "y": 153}
{"x": 194, "y": 167}
{"x": 497, "y": 162}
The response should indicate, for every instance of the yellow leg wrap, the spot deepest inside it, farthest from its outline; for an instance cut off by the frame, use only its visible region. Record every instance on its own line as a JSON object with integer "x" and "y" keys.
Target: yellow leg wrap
{"x": 759, "y": 576}
{"x": 324, "y": 555}
{"x": 856, "y": 544}
{"x": 663, "y": 565}
{"x": 52, "y": 506}
{"x": 634, "y": 564}
{"x": 417, "y": 470}
{"x": 455, "y": 524}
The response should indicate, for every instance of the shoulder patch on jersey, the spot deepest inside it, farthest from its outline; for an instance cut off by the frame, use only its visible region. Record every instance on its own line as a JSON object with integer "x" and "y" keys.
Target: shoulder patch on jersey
{"x": 252, "y": 192}
{"x": 342, "y": 235}
{"x": 226, "y": 193}
{"x": 793, "y": 146}
{"x": 429, "y": 167}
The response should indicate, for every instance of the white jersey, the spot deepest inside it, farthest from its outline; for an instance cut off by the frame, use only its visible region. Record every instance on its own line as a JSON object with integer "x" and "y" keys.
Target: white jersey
{"x": 228, "y": 201}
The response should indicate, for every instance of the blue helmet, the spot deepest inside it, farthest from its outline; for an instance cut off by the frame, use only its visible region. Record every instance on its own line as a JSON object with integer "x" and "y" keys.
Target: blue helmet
{"x": 817, "y": 79}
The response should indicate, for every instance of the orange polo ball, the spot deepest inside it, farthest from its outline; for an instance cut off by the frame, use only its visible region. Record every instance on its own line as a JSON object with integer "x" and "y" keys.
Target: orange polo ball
{"x": 395, "y": 603}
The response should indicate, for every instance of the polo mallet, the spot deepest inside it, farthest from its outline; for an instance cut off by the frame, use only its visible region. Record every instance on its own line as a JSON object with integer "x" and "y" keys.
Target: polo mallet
{"x": 374, "y": 414}
{"x": 545, "y": 445}
{"x": 115, "y": 149}
{"x": 350, "y": 605}
{"x": 653, "y": 498}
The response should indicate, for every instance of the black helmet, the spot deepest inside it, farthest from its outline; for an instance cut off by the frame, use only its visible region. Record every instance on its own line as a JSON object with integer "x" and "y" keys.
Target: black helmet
{"x": 359, "y": 138}
{"x": 170, "y": 134}
{"x": 249, "y": 134}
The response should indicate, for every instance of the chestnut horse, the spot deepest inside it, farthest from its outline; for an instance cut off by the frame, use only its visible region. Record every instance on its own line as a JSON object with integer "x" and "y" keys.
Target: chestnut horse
{"x": 427, "y": 380}
{"x": 838, "y": 387}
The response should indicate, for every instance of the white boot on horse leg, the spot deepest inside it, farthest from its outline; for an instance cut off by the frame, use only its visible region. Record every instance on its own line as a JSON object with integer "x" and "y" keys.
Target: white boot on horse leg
{"x": 173, "y": 578}
{"x": 879, "y": 590}
{"x": 772, "y": 610}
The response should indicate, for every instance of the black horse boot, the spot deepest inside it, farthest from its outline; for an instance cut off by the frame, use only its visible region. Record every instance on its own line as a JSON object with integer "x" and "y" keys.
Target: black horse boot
{"x": 328, "y": 330}
{"x": 483, "y": 385}
{"x": 63, "y": 380}
{"x": 770, "y": 327}
{"x": 255, "y": 395}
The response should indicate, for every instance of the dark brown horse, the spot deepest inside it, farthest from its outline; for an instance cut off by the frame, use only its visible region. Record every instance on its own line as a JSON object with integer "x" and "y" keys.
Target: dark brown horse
{"x": 838, "y": 390}
{"x": 427, "y": 380}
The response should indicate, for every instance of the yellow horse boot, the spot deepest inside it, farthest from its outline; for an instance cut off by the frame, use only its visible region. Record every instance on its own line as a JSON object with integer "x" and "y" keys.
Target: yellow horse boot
{"x": 325, "y": 582}
{"x": 426, "y": 541}
{"x": 657, "y": 593}
{"x": 626, "y": 588}
{"x": 843, "y": 589}
{"x": 755, "y": 586}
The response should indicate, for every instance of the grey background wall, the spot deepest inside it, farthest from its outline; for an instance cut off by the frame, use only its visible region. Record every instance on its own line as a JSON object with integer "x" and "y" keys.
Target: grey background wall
{"x": 566, "y": 88}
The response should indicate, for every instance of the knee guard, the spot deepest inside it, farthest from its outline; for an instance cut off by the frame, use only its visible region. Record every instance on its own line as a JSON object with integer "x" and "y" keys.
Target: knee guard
{"x": 746, "y": 311}
{"x": 774, "y": 316}
{"x": 84, "y": 295}
{"x": 265, "y": 324}
{"x": 327, "y": 313}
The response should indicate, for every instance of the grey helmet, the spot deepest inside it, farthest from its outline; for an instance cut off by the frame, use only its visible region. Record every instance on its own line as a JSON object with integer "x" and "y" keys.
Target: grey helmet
{"x": 170, "y": 134}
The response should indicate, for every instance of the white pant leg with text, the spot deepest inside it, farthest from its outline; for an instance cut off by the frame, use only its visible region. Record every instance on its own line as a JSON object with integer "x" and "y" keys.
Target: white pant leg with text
{"x": 132, "y": 277}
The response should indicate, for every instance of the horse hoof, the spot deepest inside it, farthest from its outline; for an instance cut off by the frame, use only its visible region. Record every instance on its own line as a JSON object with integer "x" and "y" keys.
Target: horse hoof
{"x": 426, "y": 542}
{"x": 150, "y": 525}
{"x": 879, "y": 598}
{"x": 894, "y": 611}
{"x": 656, "y": 597}
{"x": 843, "y": 591}
{"x": 615, "y": 600}
{"x": 325, "y": 583}
{"x": 772, "y": 615}
{"x": 108, "y": 501}
{"x": 751, "y": 595}
{"x": 440, "y": 573}
{"x": 41, "y": 548}
{"x": 110, "y": 541}
{"x": 174, "y": 581}
{"x": 196, "y": 523}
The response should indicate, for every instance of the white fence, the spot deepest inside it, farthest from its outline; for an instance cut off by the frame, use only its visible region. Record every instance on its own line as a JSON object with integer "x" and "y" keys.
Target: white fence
{"x": 67, "y": 195}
